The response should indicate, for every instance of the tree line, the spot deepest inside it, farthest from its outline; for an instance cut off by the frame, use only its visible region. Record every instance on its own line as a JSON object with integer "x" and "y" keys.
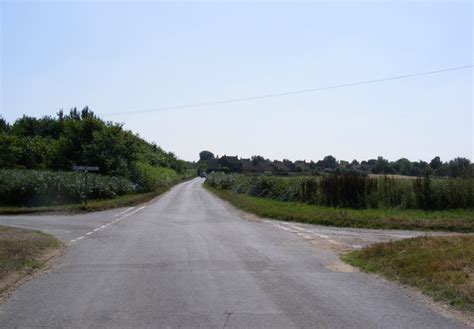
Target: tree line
{"x": 79, "y": 138}
{"x": 458, "y": 167}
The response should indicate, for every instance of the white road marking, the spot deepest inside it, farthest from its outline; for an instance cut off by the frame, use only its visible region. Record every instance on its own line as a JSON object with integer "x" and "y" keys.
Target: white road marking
{"x": 128, "y": 209}
{"x": 79, "y": 238}
{"x": 124, "y": 214}
{"x": 321, "y": 235}
{"x": 297, "y": 228}
{"x": 288, "y": 227}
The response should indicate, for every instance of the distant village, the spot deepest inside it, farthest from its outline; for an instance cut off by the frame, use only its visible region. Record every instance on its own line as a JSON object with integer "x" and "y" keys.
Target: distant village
{"x": 258, "y": 164}
{"x": 459, "y": 167}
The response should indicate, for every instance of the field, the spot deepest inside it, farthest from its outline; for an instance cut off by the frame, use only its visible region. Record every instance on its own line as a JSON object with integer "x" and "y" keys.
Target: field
{"x": 441, "y": 267}
{"x": 23, "y": 191}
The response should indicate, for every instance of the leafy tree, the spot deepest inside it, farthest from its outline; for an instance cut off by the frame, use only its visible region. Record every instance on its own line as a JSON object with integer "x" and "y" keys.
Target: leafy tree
{"x": 460, "y": 167}
{"x": 382, "y": 166}
{"x": 436, "y": 163}
{"x": 206, "y": 155}
{"x": 4, "y": 126}
{"x": 330, "y": 160}
{"x": 79, "y": 137}
{"x": 256, "y": 159}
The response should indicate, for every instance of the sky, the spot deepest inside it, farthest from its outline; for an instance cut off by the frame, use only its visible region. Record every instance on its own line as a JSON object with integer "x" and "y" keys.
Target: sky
{"x": 121, "y": 58}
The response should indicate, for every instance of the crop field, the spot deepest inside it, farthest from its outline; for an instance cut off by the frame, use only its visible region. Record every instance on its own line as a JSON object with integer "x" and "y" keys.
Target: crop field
{"x": 351, "y": 190}
{"x": 34, "y": 187}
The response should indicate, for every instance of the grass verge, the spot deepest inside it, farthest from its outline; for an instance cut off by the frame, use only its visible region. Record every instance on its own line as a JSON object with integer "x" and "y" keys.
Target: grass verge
{"x": 442, "y": 267}
{"x": 92, "y": 205}
{"x": 447, "y": 220}
{"x": 22, "y": 252}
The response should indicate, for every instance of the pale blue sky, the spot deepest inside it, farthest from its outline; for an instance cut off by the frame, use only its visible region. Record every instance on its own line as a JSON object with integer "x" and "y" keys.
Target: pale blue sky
{"x": 119, "y": 57}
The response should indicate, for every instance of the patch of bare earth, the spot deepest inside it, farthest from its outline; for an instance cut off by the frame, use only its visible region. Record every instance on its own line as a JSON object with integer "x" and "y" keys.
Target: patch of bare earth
{"x": 23, "y": 255}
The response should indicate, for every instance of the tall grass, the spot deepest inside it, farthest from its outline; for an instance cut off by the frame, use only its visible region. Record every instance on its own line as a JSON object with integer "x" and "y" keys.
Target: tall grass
{"x": 352, "y": 190}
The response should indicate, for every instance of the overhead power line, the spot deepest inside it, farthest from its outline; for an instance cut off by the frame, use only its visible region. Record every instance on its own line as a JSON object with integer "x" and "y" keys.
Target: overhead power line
{"x": 289, "y": 93}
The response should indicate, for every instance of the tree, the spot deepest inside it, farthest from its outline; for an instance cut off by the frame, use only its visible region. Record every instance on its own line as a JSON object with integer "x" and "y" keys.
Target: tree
{"x": 206, "y": 155}
{"x": 4, "y": 126}
{"x": 460, "y": 167}
{"x": 328, "y": 162}
{"x": 79, "y": 137}
{"x": 329, "y": 159}
{"x": 256, "y": 159}
{"x": 382, "y": 166}
{"x": 436, "y": 163}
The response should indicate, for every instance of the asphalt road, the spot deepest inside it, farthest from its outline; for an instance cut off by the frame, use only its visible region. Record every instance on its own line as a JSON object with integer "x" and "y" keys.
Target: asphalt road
{"x": 189, "y": 260}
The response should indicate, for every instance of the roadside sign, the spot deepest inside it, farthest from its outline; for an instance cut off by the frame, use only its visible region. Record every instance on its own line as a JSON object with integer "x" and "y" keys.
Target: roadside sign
{"x": 85, "y": 168}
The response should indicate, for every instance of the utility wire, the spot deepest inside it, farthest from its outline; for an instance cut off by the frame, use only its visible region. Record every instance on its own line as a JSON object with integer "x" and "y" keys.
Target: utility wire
{"x": 294, "y": 92}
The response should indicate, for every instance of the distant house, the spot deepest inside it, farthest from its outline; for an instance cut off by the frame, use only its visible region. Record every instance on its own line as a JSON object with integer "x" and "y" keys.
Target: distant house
{"x": 213, "y": 165}
{"x": 225, "y": 163}
{"x": 247, "y": 165}
{"x": 302, "y": 166}
{"x": 257, "y": 165}
{"x": 232, "y": 163}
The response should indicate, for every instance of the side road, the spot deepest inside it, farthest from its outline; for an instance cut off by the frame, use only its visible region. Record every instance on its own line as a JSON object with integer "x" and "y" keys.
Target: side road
{"x": 189, "y": 260}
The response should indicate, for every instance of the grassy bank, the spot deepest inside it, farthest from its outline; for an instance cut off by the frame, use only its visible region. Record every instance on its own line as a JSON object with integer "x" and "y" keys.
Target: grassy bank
{"x": 441, "y": 267}
{"x": 92, "y": 205}
{"x": 22, "y": 252}
{"x": 409, "y": 219}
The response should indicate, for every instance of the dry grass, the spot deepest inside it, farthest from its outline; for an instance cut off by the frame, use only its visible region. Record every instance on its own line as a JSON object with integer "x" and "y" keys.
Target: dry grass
{"x": 392, "y": 176}
{"x": 442, "y": 267}
{"x": 22, "y": 251}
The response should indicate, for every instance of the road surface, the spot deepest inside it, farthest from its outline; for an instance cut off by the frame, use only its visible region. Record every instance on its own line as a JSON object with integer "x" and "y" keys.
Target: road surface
{"x": 189, "y": 260}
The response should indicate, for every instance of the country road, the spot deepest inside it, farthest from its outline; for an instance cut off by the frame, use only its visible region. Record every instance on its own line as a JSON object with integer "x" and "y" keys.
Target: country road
{"x": 189, "y": 260}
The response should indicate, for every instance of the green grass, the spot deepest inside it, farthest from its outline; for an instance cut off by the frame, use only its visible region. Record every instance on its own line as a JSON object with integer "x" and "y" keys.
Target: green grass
{"x": 442, "y": 267}
{"x": 22, "y": 251}
{"x": 447, "y": 220}
{"x": 92, "y": 205}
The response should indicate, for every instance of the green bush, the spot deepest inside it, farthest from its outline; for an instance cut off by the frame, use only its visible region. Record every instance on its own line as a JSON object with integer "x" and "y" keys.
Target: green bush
{"x": 150, "y": 178}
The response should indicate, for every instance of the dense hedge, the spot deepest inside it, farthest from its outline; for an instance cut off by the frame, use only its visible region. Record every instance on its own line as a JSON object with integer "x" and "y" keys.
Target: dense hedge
{"x": 41, "y": 188}
{"x": 150, "y": 178}
{"x": 354, "y": 190}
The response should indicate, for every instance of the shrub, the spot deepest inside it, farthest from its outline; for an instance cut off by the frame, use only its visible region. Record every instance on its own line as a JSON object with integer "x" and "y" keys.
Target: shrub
{"x": 150, "y": 178}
